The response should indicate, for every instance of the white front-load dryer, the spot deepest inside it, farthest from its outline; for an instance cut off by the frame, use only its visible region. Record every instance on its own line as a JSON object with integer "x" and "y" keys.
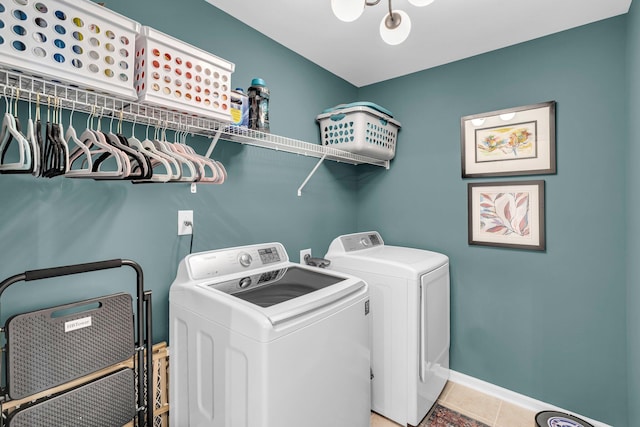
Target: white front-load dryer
{"x": 409, "y": 294}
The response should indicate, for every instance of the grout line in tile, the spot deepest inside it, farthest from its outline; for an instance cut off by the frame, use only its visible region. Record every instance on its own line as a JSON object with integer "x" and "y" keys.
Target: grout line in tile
{"x": 446, "y": 400}
{"x": 480, "y": 406}
{"x": 447, "y": 389}
{"x": 495, "y": 420}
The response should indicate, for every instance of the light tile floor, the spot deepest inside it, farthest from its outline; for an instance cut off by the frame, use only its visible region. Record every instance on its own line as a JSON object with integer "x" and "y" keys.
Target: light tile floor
{"x": 477, "y": 405}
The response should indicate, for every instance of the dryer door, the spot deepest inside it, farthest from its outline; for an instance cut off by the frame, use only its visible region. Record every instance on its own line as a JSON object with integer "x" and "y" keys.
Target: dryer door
{"x": 434, "y": 322}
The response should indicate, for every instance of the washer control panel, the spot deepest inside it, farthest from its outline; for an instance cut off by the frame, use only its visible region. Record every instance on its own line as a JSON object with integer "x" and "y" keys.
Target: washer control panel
{"x": 251, "y": 281}
{"x": 222, "y": 262}
{"x": 269, "y": 255}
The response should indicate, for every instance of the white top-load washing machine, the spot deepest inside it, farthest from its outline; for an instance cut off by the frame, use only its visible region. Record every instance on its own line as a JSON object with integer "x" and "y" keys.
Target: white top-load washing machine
{"x": 259, "y": 341}
{"x": 409, "y": 290}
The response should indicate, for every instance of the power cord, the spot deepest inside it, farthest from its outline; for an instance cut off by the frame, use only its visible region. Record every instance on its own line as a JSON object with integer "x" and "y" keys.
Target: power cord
{"x": 190, "y": 224}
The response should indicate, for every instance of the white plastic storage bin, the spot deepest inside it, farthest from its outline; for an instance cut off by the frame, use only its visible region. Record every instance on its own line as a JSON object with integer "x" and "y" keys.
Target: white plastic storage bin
{"x": 181, "y": 77}
{"x": 72, "y": 41}
{"x": 361, "y": 128}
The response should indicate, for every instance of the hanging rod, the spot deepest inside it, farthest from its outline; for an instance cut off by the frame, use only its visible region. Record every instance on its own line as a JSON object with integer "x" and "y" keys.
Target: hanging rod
{"x": 76, "y": 99}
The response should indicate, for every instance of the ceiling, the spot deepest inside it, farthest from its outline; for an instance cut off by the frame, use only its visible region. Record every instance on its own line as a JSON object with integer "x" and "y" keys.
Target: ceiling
{"x": 443, "y": 32}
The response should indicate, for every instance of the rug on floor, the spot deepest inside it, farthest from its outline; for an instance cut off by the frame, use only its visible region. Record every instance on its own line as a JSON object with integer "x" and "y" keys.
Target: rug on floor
{"x": 440, "y": 416}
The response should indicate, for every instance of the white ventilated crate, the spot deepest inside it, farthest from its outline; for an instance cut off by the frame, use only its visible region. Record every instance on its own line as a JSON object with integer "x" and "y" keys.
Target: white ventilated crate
{"x": 71, "y": 41}
{"x": 180, "y": 77}
{"x": 360, "y": 128}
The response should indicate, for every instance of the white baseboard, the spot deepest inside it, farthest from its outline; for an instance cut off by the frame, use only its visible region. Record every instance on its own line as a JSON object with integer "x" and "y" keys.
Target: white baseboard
{"x": 512, "y": 396}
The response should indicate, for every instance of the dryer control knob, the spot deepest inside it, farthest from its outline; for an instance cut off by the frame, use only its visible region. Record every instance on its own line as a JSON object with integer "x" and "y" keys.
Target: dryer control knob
{"x": 364, "y": 242}
{"x": 245, "y": 259}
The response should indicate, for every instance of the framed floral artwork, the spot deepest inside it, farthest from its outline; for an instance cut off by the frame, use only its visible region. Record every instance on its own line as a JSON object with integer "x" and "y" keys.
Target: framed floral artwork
{"x": 507, "y": 214}
{"x": 515, "y": 141}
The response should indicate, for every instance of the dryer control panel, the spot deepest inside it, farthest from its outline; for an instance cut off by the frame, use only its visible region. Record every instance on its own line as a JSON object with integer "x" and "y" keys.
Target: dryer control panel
{"x": 356, "y": 242}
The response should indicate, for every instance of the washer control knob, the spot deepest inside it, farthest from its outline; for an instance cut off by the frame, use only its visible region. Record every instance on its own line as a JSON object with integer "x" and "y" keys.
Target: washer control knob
{"x": 245, "y": 259}
{"x": 245, "y": 282}
{"x": 364, "y": 242}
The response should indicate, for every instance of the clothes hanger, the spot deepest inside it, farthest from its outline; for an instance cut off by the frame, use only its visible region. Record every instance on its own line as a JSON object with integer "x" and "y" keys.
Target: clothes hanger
{"x": 222, "y": 172}
{"x": 49, "y": 147}
{"x": 187, "y": 168}
{"x": 197, "y": 163}
{"x": 59, "y": 135}
{"x": 11, "y": 133}
{"x": 142, "y": 153}
{"x": 55, "y": 137}
{"x": 39, "y": 139}
{"x": 219, "y": 173}
{"x": 175, "y": 171}
{"x": 55, "y": 156}
{"x": 154, "y": 159}
{"x": 112, "y": 166}
{"x": 146, "y": 168}
{"x": 214, "y": 176}
{"x": 33, "y": 142}
{"x": 80, "y": 158}
{"x": 138, "y": 164}
{"x": 102, "y": 140}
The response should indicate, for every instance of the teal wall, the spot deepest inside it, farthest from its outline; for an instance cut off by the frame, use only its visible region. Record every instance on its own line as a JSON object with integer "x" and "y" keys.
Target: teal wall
{"x": 46, "y": 223}
{"x": 552, "y": 324}
{"x": 633, "y": 227}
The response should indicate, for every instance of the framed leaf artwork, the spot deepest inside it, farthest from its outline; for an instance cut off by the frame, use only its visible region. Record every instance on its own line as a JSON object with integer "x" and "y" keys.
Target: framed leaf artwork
{"x": 507, "y": 214}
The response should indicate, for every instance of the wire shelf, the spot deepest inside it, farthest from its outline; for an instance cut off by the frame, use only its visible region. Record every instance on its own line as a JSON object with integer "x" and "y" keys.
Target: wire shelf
{"x": 16, "y": 84}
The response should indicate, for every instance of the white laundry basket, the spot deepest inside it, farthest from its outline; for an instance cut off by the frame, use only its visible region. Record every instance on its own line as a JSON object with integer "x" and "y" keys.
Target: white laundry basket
{"x": 72, "y": 41}
{"x": 181, "y": 77}
{"x": 361, "y": 128}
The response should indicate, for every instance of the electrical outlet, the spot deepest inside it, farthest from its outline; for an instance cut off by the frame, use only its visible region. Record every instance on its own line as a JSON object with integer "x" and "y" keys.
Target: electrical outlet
{"x": 303, "y": 253}
{"x": 185, "y": 223}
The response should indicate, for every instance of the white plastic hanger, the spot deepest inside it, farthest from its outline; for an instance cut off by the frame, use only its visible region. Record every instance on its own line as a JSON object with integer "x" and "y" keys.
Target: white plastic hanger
{"x": 10, "y": 133}
{"x": 174, "y": 170}
{"x": 33, "y": 141}
{"x": 216, "y": 175}
{"x": 221, "y": 171}
{"x": 188, "y": 169}
{"x": 81, "y": 153}
{"x": 197, "y": 163}
{"x": 140, "y": 165}
{"x": 101, "y": 140}
{"x": 91, "y": 146}
{"x": 65, "y": 146}
{"x": 156, "y": 160}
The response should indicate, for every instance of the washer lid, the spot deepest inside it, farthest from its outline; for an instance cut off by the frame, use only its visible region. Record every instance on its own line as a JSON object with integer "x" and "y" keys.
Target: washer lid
{"x": 240, "y": 312}
{"x": 276, "y": 286}
{"x": 257, "y": 292}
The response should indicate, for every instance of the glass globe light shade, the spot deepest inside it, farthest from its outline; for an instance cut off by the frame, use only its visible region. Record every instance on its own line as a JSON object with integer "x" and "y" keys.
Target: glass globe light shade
{"x": 395, "y": 31}
{"x": 421, "y": 3}
{"x": 347, "y": 10}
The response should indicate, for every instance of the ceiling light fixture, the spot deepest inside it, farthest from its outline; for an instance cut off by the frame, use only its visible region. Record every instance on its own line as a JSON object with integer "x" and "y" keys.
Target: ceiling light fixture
{"x": 394, "y": 27}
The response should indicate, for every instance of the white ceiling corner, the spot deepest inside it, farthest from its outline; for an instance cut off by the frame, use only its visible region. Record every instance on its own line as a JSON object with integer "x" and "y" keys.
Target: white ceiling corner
{"x": 443, "y": 32}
